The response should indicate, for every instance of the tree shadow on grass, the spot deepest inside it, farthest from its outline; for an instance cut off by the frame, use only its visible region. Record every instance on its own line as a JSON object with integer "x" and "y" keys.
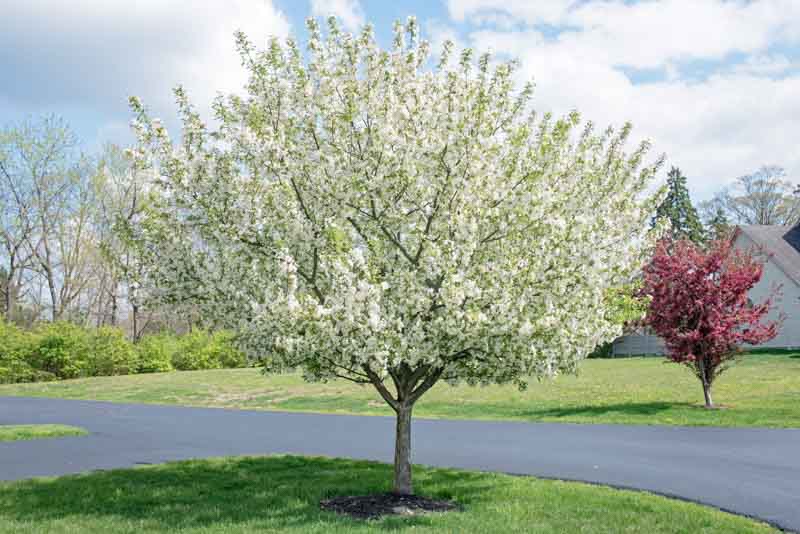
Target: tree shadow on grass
{"x": 622, "y": 409}
{"x": 272, "y": 493}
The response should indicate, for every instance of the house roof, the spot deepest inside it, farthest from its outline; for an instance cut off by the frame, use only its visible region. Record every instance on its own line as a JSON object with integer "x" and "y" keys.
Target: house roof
{"x": 793, "y": 237}
{"x": 782, "y": 245}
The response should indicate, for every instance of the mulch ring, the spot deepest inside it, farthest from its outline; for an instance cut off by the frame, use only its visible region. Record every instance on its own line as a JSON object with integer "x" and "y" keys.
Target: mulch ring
{"x": 385, "y": 504}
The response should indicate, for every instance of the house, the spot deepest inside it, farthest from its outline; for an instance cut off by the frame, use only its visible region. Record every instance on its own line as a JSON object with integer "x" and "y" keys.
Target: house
{"x": 780, "y": 249}
{"x": 782, "y": 267}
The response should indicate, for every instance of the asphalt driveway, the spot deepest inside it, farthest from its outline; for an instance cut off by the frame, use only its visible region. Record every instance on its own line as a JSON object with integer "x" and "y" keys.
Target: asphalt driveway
{"x": 749, "y": 471}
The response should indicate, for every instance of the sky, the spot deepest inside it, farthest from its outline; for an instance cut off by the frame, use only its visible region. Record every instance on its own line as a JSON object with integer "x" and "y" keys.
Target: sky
{"x": 714, "y": 83}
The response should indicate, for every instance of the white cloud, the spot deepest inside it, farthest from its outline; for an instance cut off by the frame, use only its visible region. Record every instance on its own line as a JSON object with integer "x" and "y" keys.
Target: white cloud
{"x": 765, "y": 64}
{"x": 348, "y": 11}
{"x": 721, "y": 123}
{"x": 528, "y": 11}
{"x": 647, "y": 33}
{"x": 97, "y": 53}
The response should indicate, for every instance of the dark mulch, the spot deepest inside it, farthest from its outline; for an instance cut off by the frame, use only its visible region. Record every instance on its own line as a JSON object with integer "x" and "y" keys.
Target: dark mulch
{"x": 376, "y": 506}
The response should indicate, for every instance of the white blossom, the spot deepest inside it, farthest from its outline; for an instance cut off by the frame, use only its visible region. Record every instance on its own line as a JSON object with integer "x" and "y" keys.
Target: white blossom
{"x": 361, "y": 212}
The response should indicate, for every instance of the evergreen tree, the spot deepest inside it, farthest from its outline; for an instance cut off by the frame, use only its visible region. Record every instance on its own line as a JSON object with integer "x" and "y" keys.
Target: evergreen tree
{"x": 719, "y": 227}
{"x": 678, "y": 208}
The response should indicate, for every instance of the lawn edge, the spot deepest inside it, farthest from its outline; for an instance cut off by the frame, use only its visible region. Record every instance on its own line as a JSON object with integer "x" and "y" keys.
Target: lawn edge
{"x": 416, "y": 417}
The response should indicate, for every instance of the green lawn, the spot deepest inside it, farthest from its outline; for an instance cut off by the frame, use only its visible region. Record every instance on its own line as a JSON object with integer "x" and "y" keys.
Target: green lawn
{"x": 762, "y": 390}
{"x": 20, "y": 432}
{"x": 282, "y": 493}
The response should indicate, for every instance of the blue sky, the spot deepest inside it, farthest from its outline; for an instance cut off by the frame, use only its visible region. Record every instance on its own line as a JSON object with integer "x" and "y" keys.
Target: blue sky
{"x": 714, "y": 83}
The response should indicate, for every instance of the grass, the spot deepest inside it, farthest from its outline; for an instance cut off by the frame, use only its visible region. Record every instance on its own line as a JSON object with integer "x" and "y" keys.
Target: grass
{"x": 282, "y": 494}
{"x": 763, "y": 390}
{"x": 20, "y": 432}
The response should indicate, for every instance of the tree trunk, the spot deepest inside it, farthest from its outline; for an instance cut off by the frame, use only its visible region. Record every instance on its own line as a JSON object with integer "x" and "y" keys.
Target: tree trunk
{"x": 7, "y": 297}
{"x": 707, "y": 395}
{"x": 135, "y": 318}
{"x": 113, "y": 318}
{"x": 410, "y": 385}
{"x": 701, "y": 363}
{"x": 402, "y": 452}
{"x": 55, "y": 311}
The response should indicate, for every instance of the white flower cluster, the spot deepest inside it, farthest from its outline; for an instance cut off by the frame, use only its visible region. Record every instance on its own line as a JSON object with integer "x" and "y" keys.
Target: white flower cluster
{"x": 361, "y": 212}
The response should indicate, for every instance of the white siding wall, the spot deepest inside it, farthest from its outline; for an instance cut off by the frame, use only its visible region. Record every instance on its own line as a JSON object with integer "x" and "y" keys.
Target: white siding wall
{"x": 788, "y": 302}
{"x": 637, "y": 345}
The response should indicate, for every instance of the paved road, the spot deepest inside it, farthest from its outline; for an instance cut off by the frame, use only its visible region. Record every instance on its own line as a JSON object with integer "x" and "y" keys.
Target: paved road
{"x": 754, "y": 472}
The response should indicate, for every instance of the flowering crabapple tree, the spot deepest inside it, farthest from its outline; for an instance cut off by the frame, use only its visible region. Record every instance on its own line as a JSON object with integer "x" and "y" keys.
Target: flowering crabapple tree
{"x": 699, "y": 305}
{"x": 392, "y": 219}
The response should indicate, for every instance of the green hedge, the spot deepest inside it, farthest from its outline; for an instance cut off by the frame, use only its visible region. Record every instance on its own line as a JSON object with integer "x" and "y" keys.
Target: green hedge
{"x": 16, "y": 347}
{"x": 204, "y": 350}
{"x": 110, "y": 353}
{"x": 156, "y": 352}
{"x": 62, "y": 350}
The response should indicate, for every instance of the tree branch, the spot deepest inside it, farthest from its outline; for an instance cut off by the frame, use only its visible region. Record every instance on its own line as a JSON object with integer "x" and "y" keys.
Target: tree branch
{"x": 427, "y": 384}
{"x": 379, "y": 385}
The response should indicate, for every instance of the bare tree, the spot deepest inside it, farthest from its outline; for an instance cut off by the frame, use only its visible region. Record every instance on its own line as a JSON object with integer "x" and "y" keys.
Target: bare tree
{"x": 64, "y": 251}
{"x": 22, "y": 155}
{"x": 47, "y": 206}
{"x": 764, "y": 197}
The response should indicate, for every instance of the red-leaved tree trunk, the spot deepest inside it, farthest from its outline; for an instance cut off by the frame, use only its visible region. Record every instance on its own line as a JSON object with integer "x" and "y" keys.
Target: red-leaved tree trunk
{"x": 699, "y": 305}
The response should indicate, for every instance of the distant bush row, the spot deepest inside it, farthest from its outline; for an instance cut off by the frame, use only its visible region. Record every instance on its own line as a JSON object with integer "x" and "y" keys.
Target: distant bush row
{"x": 54, "y": 351}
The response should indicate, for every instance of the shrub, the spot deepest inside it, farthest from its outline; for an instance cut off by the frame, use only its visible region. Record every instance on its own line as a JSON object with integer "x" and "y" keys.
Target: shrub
{"x": 110, "y": 353}
{"x": 229, "y": 356}
{"x": 12, "y": 353}
{"x": 16, "y": 346}
{"x": 191, "y": 354}
{"x": 156, "y": 352}
{"x": 62, "y": 349}
{"x": 604, "y": 350}
{"x": 200, "y": 349}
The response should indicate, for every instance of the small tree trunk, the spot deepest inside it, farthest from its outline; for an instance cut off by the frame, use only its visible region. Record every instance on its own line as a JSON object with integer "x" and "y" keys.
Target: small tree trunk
{"x": 113, "y": 318}
{"x": 11, "y": 290}
{"x": 402, "y": 452}
{"x": 701, "y": 364}
{"x": 707, "y": 395}
{"x": 7, "y": 296}
{"x": 135, "y": 320}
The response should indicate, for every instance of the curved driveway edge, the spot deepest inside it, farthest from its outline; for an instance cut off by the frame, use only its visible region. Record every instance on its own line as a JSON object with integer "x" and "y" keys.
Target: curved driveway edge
{"x": 750, "y": 471}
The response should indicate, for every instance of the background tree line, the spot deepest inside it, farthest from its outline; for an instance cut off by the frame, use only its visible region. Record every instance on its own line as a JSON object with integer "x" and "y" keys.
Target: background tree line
{"x": 63, "y": 251}
{"x": 70, "y": 303}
